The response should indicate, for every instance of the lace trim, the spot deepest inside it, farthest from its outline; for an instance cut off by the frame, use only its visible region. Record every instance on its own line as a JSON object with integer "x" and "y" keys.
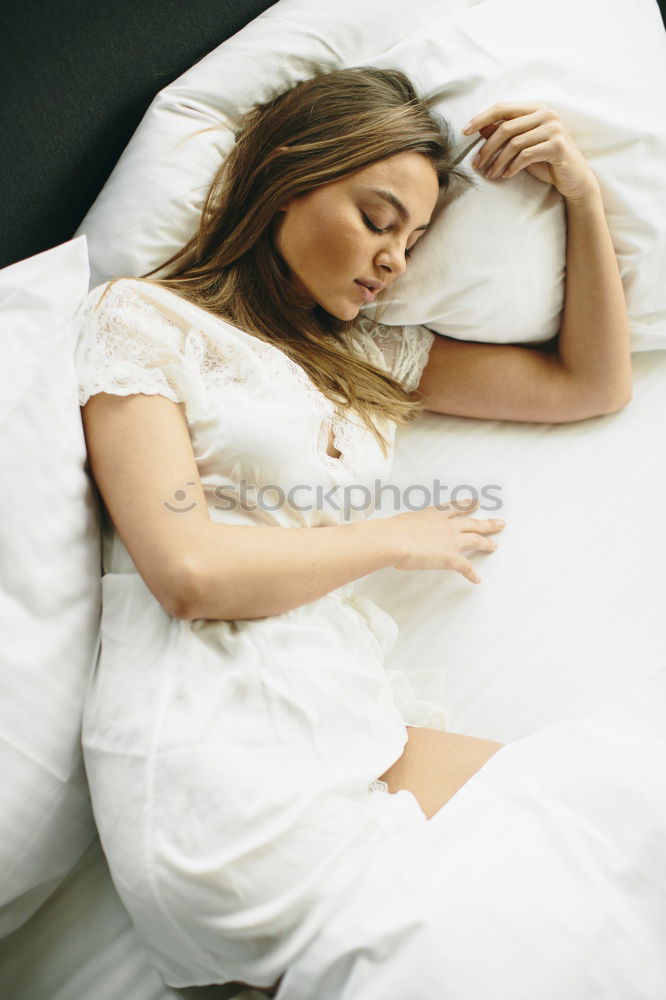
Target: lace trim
{"x": 378, "y": 786}
{"x": 132, "y": 343}
{"x": 346, "y": 435}
{"x": 128, "y": 344}
{"x": 134, "y": 346}
{"x": 416, "y": 343}
{"x": 401, "y": 350}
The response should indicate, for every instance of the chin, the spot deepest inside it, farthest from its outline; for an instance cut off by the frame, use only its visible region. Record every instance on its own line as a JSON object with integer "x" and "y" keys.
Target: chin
{"x": 346, "y": 311}
{"x": 340, "y": 306}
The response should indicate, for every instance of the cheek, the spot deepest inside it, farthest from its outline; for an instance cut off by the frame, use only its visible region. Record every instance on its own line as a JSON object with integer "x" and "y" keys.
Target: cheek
{"x": 341, "y": 241}
{"x": 325, "y": 243}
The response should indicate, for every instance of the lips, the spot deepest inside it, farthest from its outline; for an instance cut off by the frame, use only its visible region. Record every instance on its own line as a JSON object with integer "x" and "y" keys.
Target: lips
{"x": 369, "y": 289}
{"x": 371, "y": 283}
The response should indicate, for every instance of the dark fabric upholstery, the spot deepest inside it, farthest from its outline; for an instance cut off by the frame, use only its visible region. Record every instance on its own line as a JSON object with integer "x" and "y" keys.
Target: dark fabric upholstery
{"x": 75, "y": 81}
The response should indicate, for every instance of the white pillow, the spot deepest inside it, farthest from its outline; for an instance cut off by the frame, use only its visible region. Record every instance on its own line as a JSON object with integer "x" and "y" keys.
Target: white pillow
{"x": 151, "y": 203}
{"x": 492, "y": 268}
{"x": 50, "y": 592}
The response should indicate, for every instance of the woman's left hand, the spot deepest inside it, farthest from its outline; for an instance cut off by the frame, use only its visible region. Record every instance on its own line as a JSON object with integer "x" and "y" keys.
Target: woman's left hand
{"x": 531, "y": 137}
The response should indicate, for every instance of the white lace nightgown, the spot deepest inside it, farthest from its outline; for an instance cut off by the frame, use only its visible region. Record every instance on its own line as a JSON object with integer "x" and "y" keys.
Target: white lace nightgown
{"x": 233, "y": 765}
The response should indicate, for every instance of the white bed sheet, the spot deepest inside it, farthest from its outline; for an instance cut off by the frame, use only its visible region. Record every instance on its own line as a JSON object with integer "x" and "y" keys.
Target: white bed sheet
{"x": 569, "y": 613}
{"x": 571, "y": 605}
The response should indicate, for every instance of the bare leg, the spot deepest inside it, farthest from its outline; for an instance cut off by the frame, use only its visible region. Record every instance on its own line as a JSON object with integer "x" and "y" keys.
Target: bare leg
{"x": 435, "y": 764}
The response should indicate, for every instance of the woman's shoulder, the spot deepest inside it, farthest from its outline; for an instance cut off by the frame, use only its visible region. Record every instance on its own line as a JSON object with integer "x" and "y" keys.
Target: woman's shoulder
{"x": 139, "y": 306}
{"x": 137, "y": 336}
{"x": 130, "y": 316}
{"x": 130, "y": 292}
{"x": 146, "y": 301}
{"x": 150, "y": 320}
{"x": 114, "y": 299}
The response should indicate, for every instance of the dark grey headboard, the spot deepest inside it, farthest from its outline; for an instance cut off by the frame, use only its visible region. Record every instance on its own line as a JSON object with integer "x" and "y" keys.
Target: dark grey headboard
{"x": 76, "y": 79}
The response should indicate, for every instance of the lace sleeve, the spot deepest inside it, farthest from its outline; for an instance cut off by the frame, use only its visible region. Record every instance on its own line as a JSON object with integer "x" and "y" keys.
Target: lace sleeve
{"x": 401, "y": 350}
{"x": 126, "y": 344}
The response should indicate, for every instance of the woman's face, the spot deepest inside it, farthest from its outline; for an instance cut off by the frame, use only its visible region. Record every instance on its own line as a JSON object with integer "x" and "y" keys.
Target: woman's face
{"x": 328, "y": 237}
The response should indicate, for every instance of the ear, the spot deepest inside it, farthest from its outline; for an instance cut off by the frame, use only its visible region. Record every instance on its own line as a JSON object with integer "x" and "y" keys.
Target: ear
{"x": 288, "y": 204}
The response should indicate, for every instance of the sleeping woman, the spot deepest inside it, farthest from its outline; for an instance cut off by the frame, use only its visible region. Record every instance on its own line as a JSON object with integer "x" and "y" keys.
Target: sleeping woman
{"x": 245, "y": 750}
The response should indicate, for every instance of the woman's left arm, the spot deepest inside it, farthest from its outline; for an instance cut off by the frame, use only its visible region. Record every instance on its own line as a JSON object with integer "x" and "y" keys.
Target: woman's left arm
{"x": 593, "y": 343}
{"x": 589, "y": 371}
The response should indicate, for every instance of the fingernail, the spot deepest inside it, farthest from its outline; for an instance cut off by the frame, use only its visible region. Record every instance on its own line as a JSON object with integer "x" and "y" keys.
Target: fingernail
{"x": 476, "y": 160}
{"x": 467, "y": 128}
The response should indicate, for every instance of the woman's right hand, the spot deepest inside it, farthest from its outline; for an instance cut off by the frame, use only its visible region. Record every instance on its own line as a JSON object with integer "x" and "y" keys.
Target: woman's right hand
{"x": 435, "y": 537}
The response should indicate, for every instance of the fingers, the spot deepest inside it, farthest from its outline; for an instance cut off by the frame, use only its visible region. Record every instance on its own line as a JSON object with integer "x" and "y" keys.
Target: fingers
{"x": 501, "y": 111}
{"x": 473, "y": 535}
{"x": 510, "y": 129}
{"x": 458, "y": 507}
{"x": 473, "y": 538}
{"x": 487, "y": 526}
{"x": 503, "y": 147}
{"x": 472, "y": 541}
{"x": 464, "y": 566}
{"x": 543, "y": 152}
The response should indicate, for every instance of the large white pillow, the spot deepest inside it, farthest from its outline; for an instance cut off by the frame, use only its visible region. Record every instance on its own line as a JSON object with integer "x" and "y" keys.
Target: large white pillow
{"x": 492, "y": 268}
{"x": 50, "y": 592}
{"x": 151, "y": 203}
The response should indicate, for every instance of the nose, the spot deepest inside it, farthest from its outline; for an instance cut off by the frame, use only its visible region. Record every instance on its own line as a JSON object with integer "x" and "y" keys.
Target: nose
{"x": 393, "y": 260}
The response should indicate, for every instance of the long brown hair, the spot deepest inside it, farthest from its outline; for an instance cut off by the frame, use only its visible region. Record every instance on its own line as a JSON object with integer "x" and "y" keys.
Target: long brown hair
{"x": 317, "y": 132}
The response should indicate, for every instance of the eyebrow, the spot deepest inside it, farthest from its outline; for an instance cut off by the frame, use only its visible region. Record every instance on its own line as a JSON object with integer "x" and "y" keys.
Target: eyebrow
{"x": 397, "y": 204}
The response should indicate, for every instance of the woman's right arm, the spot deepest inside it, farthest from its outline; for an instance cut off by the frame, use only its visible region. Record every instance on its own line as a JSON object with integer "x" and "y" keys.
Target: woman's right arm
{"x": 253, "y": 572}
{"x": 141, "y": 457}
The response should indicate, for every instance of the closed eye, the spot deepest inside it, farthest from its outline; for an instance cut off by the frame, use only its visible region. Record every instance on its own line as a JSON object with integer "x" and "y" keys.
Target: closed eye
{"x": 374, "y": 229}
{"x": 371, "y": 225}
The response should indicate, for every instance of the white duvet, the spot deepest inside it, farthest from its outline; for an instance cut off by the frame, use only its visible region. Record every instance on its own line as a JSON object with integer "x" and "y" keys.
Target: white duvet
{"x": 544, "y": 876}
